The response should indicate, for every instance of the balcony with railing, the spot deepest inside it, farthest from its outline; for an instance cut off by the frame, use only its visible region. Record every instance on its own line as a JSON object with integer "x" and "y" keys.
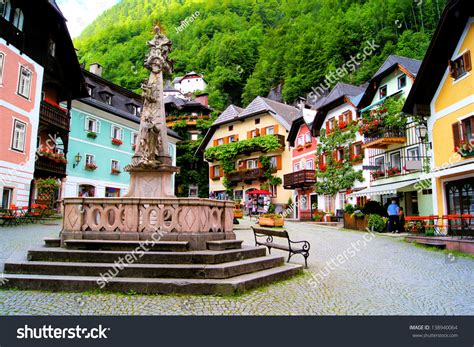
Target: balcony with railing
{"x": 11, "y": 34}
{"x": 45, "y": 167}
{"x": 385, "y": 137}
{"x": 403, "y": 167}
{"x": 245, "y": 175}
{"x": 190, "y": 119}
{"x": 299, "y": 179}
{"x": 54, "y": 115}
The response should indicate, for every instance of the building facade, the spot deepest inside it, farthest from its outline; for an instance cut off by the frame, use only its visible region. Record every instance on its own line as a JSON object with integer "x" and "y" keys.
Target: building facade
{"x": 39, "y": 70}
{"x": 396, "y": 154}
{"x": 444, "y": 94}
{"x": 190, "y": 83}
{"x": 104, "y": 130}
{"x": 261, "y": 118}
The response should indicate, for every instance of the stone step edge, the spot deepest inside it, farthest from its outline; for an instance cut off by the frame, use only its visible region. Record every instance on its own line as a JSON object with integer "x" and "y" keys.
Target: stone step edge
{"x": 228, "y": 286}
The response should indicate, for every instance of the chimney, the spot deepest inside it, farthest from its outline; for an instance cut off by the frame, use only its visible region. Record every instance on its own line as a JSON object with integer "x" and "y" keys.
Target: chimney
{"x": 202, "y": 99}
{"x": 96, "y": 69}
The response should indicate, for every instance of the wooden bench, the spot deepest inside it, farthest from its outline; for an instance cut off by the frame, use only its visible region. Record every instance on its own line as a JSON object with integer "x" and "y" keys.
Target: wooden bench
{"x": 293, "y": 247}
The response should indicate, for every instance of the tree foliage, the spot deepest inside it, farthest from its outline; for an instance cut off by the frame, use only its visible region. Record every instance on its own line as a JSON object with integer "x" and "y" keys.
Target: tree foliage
{"x": 246, "y": 47}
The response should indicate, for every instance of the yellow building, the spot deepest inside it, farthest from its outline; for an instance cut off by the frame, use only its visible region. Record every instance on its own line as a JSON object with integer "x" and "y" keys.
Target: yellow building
{"x": 262, "y": 117}
{"x": 444, "y": 93}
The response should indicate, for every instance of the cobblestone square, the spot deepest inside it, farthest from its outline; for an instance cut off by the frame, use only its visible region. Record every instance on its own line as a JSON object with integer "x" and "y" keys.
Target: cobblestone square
{"x": 381, "y": 275}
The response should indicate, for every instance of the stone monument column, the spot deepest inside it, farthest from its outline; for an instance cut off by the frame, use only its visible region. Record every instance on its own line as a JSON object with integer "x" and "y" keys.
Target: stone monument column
{"x": 151, "y": 167}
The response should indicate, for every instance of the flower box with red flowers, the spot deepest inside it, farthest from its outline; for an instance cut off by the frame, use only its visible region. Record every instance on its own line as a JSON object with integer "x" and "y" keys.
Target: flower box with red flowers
{"x": 342, "y": 125}
{"x": 357, "y": 158}
{"x": 115, "y": 171}
{"x": 377, "y": 174}
{"x": 54, "y": 104}
{"x": 90, "y": 166}
{"x": 465, "y": 148}
{"x": 116, "y": 142}
{"x": 322, "y": 167}
{"x": 393, "y": 171}
{"x": 369, "y": 127}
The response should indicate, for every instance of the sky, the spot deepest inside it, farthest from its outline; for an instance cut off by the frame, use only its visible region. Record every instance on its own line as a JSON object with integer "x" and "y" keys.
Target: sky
{"x": 80, "y": 13}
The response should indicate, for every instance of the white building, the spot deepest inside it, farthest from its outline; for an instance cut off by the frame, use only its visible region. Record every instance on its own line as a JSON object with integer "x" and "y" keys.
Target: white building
{"x": 190, "y": 83}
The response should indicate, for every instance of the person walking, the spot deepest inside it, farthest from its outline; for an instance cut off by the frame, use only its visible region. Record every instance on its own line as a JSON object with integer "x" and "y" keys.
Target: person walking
{"x": 393, "y": 220}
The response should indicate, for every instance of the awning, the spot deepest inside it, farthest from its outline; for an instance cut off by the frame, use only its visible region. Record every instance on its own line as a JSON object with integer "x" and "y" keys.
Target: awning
{"x": 391, "y": 188}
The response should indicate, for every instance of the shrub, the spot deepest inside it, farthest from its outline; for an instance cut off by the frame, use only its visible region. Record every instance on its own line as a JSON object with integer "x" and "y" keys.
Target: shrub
{"x": 376, "y": 223}
{"x": 349, "y": 208}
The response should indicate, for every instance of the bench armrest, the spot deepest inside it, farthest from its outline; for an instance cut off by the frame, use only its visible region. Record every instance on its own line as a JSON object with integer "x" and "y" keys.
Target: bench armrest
{"x": 306, "y": 244}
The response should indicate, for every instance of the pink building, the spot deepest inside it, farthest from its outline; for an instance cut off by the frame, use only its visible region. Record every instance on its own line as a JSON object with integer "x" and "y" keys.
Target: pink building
{"x": 303, "y": 152}
{"x": 20, "y": 96}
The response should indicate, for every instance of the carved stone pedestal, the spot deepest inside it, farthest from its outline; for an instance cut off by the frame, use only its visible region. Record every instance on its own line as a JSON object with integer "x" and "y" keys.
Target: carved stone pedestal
{"x": 151, "y": 183}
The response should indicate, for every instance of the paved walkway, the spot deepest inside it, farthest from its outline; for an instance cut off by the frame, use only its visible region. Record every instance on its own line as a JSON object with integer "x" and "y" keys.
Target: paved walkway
{"x": 348, "y": 275}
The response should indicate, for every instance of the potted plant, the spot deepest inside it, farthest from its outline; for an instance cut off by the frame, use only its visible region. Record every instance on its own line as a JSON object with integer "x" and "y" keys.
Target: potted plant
{"x": 92, "y": 134}
{"x": 238, "y": 212}
{"x": 115, "y": 171}
{"x": 271, "y": 220}
{"x": 328, "y": 216}
{"x": 317, "y": 217}
{"x": 393, "y": 171}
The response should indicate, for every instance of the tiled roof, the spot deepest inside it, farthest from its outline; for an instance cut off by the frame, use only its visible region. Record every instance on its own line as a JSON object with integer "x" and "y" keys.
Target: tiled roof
{"x": 411, "y": 65}
{"x": 342, "y": 89}
{"x": 229, "y": 113}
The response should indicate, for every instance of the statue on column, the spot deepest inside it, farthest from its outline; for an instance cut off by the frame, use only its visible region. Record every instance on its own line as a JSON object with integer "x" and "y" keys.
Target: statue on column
{"x": 152, "y": 142}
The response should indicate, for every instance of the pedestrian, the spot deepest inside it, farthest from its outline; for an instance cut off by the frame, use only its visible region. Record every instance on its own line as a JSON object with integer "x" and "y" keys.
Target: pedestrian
{"x": 401, "y": 220}
{"x": 393, "y": 221}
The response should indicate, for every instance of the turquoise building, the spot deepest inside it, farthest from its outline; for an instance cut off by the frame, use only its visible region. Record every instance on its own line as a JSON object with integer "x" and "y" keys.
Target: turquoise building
{"x": 102, "y": 140}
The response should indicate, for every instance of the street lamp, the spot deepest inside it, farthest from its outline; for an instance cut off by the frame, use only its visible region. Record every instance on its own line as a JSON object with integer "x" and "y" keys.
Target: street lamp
{"x": 77, "y": 160}
{"x": 422, "y": 131}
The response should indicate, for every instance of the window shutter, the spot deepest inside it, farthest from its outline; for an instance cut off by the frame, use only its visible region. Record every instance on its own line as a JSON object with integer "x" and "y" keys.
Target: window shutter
{"x": 259, "y": 164}
{"x": 472, "y": 126}
{"x": 351, "y": 150}
{"x": 264, "y": 131}
{"x": 467, "y": 61}
{"x": 215, "y": 142}
{"x": 456, "y": 137}
{"x": 226, "y": 139}
{"x": 327, "y": 126}
{"x": 236, "y": 137}
{"x": 278, "y": 159}
{"x": 341, "y": 118}
{"x": 349, "y": 116}
{"x": 463, "y": 131}
{"x": 221, "y": 171}
{"x": 275, "y": 129}
{"x": 451, "y": 68}
{"x": 249, "y": 135}
{"x": 98, "y": 126}
{"x": 86, "y": 124}
{"x": 257, "y": 131}
{"x": 211, "y": 172}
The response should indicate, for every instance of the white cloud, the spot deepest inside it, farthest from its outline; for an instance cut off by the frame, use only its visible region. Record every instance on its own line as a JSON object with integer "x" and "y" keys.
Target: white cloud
{"x": 80, "y": 13}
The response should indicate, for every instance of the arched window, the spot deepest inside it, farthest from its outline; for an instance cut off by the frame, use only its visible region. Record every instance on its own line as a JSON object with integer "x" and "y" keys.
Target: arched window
{"x": 5, "y": 9}
{"x": 18, "y": 19}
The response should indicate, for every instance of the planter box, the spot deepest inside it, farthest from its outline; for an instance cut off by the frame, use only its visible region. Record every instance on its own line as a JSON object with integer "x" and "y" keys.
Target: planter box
{"x": 271, "y": 222}
{"x": 355, "y": 223}
{"x": 238, "y": 214}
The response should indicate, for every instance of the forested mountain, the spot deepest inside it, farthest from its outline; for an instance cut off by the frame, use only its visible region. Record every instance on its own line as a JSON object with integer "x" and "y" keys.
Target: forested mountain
{"x": 246, "y": 47}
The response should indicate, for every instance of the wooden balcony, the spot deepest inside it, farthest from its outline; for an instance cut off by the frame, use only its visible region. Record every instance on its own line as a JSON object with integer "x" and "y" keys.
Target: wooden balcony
{"x": 384, "y": 138}
{"x": 245, "y": 175}
{"x": 299, "y": 179}
{"x": 45, "y": 167}
{"x": 11, "y": 34}
{"x": 52, "y": 115}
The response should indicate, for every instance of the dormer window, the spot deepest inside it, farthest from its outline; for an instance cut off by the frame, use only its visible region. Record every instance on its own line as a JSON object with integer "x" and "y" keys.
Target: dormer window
{"x": 107, "y": 97}
{"x": 5, "y": 9}
{"x": 52, "y": 47}
{"x": 134, "y": 109}
{"x": 90, "y": 90}
{"x": 382, "y": 92}
{"x": 18, "y": 19}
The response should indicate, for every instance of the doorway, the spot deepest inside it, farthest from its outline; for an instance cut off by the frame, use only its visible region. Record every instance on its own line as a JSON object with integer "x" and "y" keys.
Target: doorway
{"x": 7, "y": 196}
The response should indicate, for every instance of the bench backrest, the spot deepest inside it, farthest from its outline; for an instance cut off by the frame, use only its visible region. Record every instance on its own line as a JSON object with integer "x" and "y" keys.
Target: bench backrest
{"x": 271, "y": 232}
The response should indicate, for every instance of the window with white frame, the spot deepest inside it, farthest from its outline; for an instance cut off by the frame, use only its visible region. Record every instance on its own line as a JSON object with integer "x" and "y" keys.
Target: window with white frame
{"x": 108, "y": 98}
{"x": 299, "y": 141}
{"x": 92, "y": 125}
{"x": 382, "y": 92}
{"x": 24, "y": 82}
{"x": 270, "y": 130}
{"x": 117, "y": 132}
{"x": 296, "y": 167}
{"x": 90, "y": 159}
{"x": 194, "y": 137}
{"x": 220, "y": 142}
{"x": 307, "y": 138}
{"x": 310, "y": 164}
{"x": 216, "y": 170}
{"x": 273, "y": 189}
{"x": 19, "y": 135}
{"x": 413, "y": 153}
{"x": 18, "y": 19}
{"x": 134, "y": 138}
{"x": 252, "y": 164}
{"x": 115, "y": 164}
{"x": 273, "y": 162}
{"x": 2, "y": 59}
{"x": 232, "y": 138}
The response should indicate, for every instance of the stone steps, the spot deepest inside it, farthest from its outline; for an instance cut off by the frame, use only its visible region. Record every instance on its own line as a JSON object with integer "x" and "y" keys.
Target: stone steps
{"x": 222, "y": 245}
{"x": 52, "y": 242}
{"x": 115, "y": 245}
{"x": 227, "y": 286}
{"x": 18, "y": 264}
{"x": 191, "y": 257}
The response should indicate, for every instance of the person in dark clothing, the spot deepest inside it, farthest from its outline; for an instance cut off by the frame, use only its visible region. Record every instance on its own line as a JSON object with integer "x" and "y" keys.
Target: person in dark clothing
{"x": 401, "y": 220}
{"x": 393, "y": 221}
